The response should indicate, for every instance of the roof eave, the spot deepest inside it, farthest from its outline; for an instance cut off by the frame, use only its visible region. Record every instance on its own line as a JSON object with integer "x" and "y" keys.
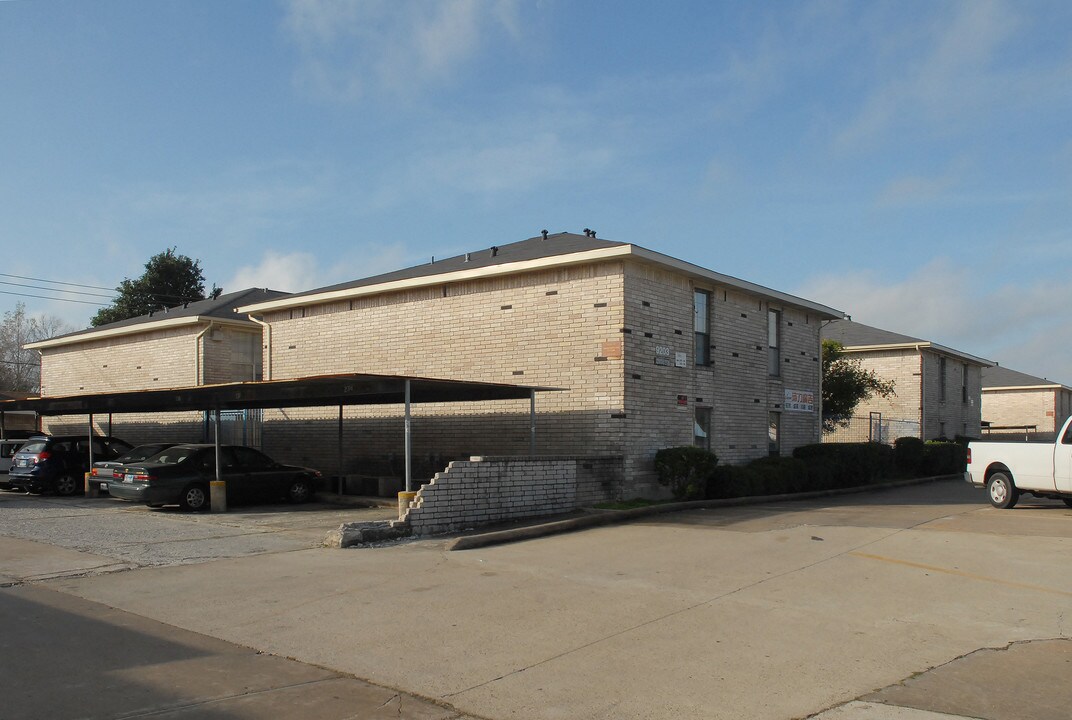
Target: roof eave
{"x": 555, "y": 261}
{"x": 139, "y": 328}
{"x": 922, "y": 345}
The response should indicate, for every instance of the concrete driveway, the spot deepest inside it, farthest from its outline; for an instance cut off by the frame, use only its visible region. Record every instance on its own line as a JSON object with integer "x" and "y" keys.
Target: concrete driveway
{"x": 767, "y": 611}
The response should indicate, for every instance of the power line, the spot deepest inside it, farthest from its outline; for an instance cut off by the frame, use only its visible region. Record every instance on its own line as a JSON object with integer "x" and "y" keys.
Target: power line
{"x": 46, "y": 297}
{"x": 56, "y": 282}
{"x": 38, "y": 287}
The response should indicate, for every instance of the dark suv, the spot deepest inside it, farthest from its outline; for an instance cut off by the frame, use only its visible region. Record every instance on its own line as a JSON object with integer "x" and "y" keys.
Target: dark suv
{"x": 58, "y": 463}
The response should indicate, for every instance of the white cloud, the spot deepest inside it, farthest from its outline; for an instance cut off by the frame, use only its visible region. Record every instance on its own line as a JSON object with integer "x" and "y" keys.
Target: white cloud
{"x": 349, "y": 48}
{"x": 301, "y": 271}
{"x": 941, "y": 79}
{"x": 1023, "y": 327}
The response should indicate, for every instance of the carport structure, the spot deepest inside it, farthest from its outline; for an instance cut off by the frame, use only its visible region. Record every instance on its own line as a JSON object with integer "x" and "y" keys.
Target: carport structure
{"x": 315, "y": 391}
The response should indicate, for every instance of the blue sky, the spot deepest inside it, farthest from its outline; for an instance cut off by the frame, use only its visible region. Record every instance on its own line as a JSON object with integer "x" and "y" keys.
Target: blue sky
{"x": 907, "y": 162}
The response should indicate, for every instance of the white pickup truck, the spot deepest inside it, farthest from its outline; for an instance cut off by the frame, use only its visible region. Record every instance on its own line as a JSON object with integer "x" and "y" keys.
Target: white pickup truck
{"x": 1009, "y": 469}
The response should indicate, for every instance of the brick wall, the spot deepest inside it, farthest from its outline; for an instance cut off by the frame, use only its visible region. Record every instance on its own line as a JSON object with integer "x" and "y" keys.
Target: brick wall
{"x": 558, "y": 328}
{"x": 591, "y": 329}
{"x": 488, "y": 490}
{"x": 166, "y": 358}
{"x": 1048, "y": 408}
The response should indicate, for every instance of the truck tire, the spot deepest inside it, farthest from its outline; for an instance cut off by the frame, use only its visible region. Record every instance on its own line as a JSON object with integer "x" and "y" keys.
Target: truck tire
{"x": 1001, "y": 491}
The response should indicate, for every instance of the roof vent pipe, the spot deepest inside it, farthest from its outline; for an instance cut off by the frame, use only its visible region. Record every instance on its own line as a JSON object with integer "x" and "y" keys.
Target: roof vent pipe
{"x": 494, "y": 250}
{"x": 544, "y": 233}
{"x": 466, "y": 257}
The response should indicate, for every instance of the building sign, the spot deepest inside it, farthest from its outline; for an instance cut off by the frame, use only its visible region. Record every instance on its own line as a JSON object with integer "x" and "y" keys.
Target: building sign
{"x": 681, "y": 359}
{"x": 665, "y": 361}
{"x": 799, "y": 400}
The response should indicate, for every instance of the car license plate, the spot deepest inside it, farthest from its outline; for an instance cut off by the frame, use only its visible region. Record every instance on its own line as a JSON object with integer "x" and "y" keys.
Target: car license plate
{"x": 104, "y": 486}
{"x": 128, "y": 478}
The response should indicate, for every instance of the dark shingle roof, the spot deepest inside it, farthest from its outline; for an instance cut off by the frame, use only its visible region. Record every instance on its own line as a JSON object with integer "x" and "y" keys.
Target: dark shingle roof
{"x": 997, "y": 376}
{"x": 221, "y": 307}
{"x": 853, "y": 334}
{"x": 850, "y": 334}
{"x": 531, "y": 249}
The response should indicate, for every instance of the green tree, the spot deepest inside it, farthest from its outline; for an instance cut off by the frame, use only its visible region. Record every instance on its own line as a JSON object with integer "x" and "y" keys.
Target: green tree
{"x": 846, "y": 384}
{"x": 20, "y": 369}
{"x": 169, "y": 279}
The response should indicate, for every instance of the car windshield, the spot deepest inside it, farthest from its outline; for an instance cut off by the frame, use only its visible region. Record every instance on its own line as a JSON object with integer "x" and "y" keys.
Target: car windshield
{"x": 171, "y": 456}
{"x": 34, "y": 447}
{"x": 142, "y": 452}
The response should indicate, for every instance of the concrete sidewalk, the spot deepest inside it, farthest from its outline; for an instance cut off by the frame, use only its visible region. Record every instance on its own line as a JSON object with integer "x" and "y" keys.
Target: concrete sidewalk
{"x": 64, "y": 657}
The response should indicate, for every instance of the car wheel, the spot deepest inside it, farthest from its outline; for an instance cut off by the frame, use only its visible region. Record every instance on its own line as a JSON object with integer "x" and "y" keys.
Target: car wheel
{"x": 65, "y": 485}
{"x": 194, "y": 497}
{"x": 1067, "y": 501}
{"x": 1001, "y": 490}
{"x": 300, "y": 491}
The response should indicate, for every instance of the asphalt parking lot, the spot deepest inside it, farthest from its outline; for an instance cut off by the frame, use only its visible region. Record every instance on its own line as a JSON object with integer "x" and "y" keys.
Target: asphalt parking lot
{"x": 915, "y": 603}
{"x": 124, "y": 535}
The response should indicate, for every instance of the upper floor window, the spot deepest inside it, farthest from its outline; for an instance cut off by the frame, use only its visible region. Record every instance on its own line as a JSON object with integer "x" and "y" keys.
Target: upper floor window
{"x": 701, "y": 312}
{"x": 774, "y": 342}
{"x": 941, "y": 378}
{"x": 964, "y": 384}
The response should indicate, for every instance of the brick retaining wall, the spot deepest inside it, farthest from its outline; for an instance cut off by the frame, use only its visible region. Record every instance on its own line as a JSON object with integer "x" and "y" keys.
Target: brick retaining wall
{"x": 488, "y": 490}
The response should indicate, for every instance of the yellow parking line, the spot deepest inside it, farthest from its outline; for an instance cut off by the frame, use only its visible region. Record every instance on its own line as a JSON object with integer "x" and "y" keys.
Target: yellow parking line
{"x": 961, "y": 573}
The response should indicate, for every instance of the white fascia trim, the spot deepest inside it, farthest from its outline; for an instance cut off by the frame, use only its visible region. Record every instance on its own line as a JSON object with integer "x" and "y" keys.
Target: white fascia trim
{"x": 917, "y": 346}
{"x": 426, "y": 280}
{"x": 719, "y": 279}
{"x": 580, "y": 258}
{"x": 1054, "y": 386}
{"x": 135, "y": 330}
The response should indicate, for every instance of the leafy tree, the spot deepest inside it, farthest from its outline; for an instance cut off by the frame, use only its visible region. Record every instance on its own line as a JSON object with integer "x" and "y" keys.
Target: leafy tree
{"x": 20, "y": 369}
{"x": 169, "y": 279}
{"x": 846, "y": 384}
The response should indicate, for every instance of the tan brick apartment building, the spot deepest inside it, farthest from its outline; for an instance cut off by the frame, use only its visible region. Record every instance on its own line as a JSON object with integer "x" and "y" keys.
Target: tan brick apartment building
{"x": 1015, "y": 403}
{"x": 650, "y": 352}
{"x": 937, "y": 390}
{"x": 200, "y": 343}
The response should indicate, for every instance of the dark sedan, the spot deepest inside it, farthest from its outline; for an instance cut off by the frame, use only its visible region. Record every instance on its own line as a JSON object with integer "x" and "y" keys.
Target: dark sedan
{"x": 181, "y": 475}
{"x": 101, "y": 472}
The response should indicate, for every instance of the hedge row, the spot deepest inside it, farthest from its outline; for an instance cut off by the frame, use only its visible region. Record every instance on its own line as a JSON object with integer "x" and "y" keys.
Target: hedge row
{"x": 692, "y": 473}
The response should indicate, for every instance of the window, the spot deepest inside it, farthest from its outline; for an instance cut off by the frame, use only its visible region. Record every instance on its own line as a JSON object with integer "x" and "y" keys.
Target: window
{"x": 701, "y": 311}
{"x": 774, "y": 434}
{"x": 941, "y": 379}
{"x": 701, "y": 433}
{"x": 964, "y": 386}
{"x": 774, "y": 337}
{"x": 245, "y": 357}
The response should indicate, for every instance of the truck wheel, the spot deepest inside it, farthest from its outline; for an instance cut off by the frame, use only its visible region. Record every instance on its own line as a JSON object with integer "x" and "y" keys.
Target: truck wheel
{"x": 1001, "y": 491}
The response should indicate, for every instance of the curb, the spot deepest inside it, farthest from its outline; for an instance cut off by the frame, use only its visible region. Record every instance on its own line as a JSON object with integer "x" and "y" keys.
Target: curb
{"x": 608, "y": 517}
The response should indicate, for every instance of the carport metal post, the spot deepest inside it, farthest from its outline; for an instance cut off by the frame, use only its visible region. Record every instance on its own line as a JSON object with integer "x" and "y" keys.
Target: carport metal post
{"x": 409, "y": 444}
{"x": 340, "y": 451}
{"x": 532, "y": 422}
{"x": 217, "y": 488}
{"x": 91, "y": 490}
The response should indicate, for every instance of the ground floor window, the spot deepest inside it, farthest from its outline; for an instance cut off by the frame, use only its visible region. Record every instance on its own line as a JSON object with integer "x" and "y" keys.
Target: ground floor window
{"x": 701, "y": 431}
{"x": 774, "y": 433}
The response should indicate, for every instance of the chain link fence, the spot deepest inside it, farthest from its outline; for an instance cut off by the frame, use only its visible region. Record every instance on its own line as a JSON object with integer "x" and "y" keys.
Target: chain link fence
{"x": 873, "y": 428}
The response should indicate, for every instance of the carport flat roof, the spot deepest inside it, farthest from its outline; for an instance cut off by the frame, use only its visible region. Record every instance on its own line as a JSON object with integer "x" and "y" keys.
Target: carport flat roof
{"x": 319, "y": 390}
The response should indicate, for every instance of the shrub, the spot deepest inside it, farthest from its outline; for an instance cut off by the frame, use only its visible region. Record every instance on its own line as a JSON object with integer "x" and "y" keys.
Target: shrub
{"x": 835, "y": 465}
{"x": 765, "y": 476}
{"x": 685, "y": 470}
{"x": 943, "y": 458}
{"x": 908, "y": 453}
